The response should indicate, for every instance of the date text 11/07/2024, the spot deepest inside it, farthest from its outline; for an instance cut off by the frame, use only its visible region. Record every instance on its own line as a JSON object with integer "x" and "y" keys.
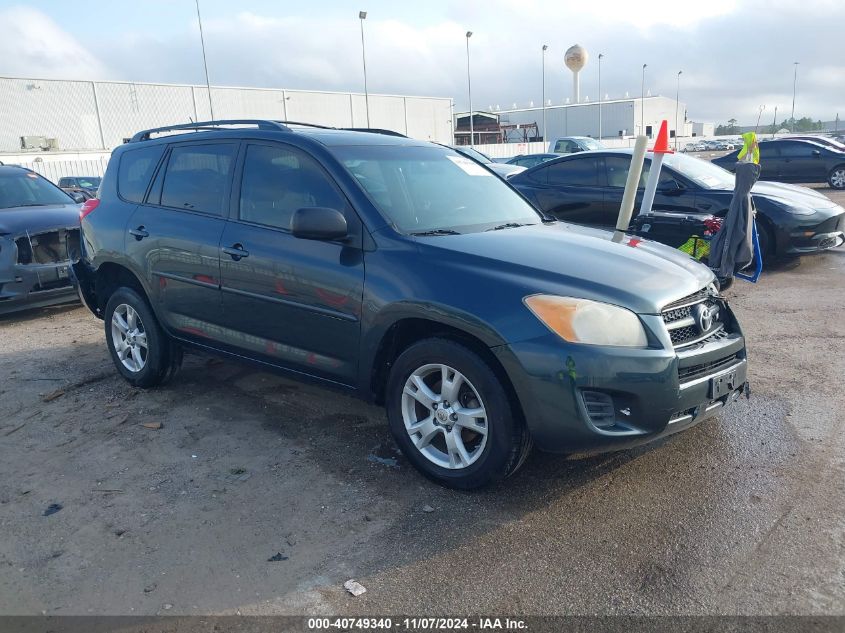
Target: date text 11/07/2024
{"x": 417, "y": 624}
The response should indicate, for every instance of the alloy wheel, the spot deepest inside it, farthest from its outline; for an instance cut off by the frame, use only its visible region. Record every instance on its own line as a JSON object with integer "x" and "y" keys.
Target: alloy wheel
{"x": 444, "y": 416}
{"x": 837, "y": 178}
{"x": 129, "y": 338}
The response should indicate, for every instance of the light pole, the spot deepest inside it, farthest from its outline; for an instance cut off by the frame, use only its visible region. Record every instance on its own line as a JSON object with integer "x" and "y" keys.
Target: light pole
{"x": 677, "y": 101}
{"x": 545, "y": 46}
{"x": 794, "y": 85}
{"x": 469, "y": 91}
{"x": 362, "y": 15}
{"x": 775, "y": 122}
{"x": 601, "y": 56}
{"x": 759, "y": 114}
{"x": 642, "y": 103}
{"x": 205, "y": 63}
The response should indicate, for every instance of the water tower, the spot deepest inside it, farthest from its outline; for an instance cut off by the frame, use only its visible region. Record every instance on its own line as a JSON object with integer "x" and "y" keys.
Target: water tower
{"x": 575, "y": 59}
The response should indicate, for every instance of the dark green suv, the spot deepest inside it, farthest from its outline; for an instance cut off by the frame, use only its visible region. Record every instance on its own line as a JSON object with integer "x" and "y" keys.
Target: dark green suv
{"x": 407, "y": 274}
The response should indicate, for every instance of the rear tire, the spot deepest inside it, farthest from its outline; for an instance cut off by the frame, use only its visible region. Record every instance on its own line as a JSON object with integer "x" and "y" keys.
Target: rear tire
{"x": 451, "y": 416}
{"x": 142, "y": 353}
{"x": 836, "y": 178}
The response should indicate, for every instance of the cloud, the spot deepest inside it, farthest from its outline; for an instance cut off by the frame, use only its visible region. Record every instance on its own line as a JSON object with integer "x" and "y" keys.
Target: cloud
{"x": 34, "y": 45}
{"x": 734, "y": 56}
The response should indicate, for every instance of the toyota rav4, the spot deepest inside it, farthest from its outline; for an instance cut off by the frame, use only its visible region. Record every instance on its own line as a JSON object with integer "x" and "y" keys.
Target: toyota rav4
{"x": 407, "y": 274}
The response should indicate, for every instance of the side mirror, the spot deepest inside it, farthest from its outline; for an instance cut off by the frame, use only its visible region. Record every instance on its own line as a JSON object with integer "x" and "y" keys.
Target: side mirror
{"x": 318, "y": 223}
{"x": 78, "y": 198}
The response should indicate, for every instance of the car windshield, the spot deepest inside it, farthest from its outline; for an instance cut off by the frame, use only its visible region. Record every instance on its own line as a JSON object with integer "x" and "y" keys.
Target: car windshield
{"x": 434, "y": 189}
{"x": 591, "y": 143}
{"x": 701, "y": 172}
{"x": 474, "y": 153}
{"x": 89, "y": 183}
{"x": 28, "y": 189}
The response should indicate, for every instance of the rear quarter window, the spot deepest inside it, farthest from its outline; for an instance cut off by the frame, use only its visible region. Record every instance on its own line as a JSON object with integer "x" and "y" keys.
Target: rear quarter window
{"x": 136, "y": 169}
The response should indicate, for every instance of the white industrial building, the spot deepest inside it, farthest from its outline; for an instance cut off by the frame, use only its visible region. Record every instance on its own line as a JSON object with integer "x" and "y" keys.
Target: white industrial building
{"x": 620, "y": 118}
{"x": 47, "y": 115}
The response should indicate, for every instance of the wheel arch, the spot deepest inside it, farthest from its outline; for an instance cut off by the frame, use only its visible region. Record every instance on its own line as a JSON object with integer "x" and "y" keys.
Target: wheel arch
{"x": 110, "y": 276}
{"x": 406, "y": 331}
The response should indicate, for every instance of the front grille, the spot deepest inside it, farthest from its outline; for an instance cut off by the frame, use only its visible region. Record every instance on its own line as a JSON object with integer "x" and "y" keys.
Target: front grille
{"x": 703, "y": 369}
{"x": 680, "y": 320}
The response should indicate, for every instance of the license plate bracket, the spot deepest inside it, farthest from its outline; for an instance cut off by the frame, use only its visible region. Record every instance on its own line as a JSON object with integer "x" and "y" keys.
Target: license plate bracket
{"x": 723, "y": 384}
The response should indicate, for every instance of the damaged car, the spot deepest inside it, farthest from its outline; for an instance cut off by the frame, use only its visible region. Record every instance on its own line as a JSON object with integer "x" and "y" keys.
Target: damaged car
{"x": 39, "y": 238}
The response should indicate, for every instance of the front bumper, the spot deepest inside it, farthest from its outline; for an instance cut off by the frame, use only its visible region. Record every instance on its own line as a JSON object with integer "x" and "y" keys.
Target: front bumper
{"x": 647, "y": 393}
{"x": 817, "y": 236}
{"x": 35, "y": 286}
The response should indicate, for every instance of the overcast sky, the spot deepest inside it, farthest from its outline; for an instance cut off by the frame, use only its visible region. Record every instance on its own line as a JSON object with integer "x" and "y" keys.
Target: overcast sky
{"x": 735, "y": 54}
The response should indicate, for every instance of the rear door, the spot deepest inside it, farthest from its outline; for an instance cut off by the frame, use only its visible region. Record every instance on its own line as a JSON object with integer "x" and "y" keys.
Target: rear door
{"x": 175, "y": 236}
{"x": 570, "y": 190}
{"x": 802, "y": 162}
{"x": 290, "y": 301}
{"x": 770, "y": 161}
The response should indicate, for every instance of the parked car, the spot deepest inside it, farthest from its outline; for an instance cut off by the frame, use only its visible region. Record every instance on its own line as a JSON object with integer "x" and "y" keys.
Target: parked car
{"x": 404, "y": 273}
{"x": 502, "y": 169}
{"x": 573, "y": 145}
{"x": 788, "y": 160}
{"x": 86, "y": 185}
{"x": 39, "y": 236}
{"x": 826, "y": 141}
{"x": 529, "y": 160}
{"x": 587, "y": 189}
{"x": 724, "y": 145}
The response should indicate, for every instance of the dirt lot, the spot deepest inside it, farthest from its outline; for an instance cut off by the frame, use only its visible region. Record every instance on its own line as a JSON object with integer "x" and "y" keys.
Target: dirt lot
{"x": 263, "y": 496}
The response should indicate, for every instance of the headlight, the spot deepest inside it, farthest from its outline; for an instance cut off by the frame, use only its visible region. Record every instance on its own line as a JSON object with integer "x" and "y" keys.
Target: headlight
{"x": 588, "y": 322}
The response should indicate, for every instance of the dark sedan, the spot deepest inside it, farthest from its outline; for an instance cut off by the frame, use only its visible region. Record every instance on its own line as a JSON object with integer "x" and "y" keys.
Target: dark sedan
{"x": 796, "y": 160}
{"x": 39, "y": 237}
{"x": 587, "y": 189}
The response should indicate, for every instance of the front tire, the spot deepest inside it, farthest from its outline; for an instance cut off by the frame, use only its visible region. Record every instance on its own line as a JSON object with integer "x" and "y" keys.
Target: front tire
{"x": 451, "y": 416}
{"x": 139, "y": 348}
{"x": 836, "y": 178}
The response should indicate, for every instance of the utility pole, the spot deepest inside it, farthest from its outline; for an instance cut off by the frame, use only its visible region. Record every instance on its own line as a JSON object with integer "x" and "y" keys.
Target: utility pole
{"x": 677, "y": 100}
{"x": 601, "y": 56}
{"x": 545, "y": 47}
{"x": 204, "y": 62}
{"x": 362, "y": 15}
{"x": 642, "y": 104}
{"x": 794, "y": 86}
{"x": 775, "y": 122}
{"x": 469, "y": 91}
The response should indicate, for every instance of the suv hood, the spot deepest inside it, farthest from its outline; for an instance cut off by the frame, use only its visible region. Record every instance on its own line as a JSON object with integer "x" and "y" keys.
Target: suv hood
{"x": 19, "y": 220}
{"x": 576, "y": 261}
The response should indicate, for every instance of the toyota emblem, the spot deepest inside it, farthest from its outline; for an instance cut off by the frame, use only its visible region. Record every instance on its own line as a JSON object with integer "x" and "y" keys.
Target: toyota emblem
{"x": 706, "y": 317}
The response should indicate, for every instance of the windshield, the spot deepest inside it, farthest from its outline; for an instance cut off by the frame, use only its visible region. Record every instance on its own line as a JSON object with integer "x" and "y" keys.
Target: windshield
{"x": 474, "y": 153}
{"x": 703, "y": 173}
{"x": 28, "y": 189}
{"x": 424, "y": 189}
{"x": 591, "y": 143}
{"x": 89, "y": 182}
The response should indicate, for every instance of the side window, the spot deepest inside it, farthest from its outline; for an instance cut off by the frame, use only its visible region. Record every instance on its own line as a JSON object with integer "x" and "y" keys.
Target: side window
{"x": 797, "y": 150}
{"x": 277, "y": 181}
{"x": 64, "y": 182}
{"x": 540, "y": 176}
{"x": 580, "y": 172}
{"x": 197, "y": 176}
{"x": 616, "y": 168}
{"x": 136, "y": 169}
{"x": 767, "y": 151}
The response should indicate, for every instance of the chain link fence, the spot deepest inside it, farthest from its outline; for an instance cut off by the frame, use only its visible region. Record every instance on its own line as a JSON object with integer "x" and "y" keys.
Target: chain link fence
{"x": 47, "y": 114}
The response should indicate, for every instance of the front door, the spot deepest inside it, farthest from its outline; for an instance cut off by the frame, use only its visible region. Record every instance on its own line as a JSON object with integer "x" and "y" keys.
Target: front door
{"x": 293, "y": 302}
{"x": 175, "y": 237}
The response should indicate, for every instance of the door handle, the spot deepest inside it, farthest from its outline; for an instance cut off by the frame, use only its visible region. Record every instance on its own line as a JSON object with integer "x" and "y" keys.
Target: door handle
{"x": 139, "y": 233}
{"x": 236, "y": 251}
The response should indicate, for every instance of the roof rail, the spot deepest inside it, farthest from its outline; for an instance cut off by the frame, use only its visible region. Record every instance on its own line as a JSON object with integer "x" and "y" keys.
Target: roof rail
{"x": 374, "y": 130}
{"x": 144, "y": 135}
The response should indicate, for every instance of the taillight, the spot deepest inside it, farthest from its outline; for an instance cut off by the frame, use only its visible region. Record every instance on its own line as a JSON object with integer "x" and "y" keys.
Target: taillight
{"x": 88, "y": 206}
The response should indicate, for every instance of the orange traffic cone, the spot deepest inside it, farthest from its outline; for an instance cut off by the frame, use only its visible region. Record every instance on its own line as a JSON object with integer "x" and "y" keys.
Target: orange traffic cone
{"x": 661, "y": 145}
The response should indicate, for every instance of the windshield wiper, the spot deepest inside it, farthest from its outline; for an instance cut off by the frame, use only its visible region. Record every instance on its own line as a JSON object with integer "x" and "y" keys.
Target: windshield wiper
{"x": 436, "y": 232}
{"x": 508, "y": 225}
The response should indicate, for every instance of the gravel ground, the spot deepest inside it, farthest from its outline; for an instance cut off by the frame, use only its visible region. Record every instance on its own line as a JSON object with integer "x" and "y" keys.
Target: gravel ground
{"x": 259, "y": 495}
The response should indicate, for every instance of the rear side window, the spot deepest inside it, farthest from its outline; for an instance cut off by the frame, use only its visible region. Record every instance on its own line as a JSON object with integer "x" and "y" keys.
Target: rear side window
{"x": 197, "y": 176}
{"x": 136, "y": 169}
{"x": 277, "y": 181}
{"x": 580, "y": 172}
